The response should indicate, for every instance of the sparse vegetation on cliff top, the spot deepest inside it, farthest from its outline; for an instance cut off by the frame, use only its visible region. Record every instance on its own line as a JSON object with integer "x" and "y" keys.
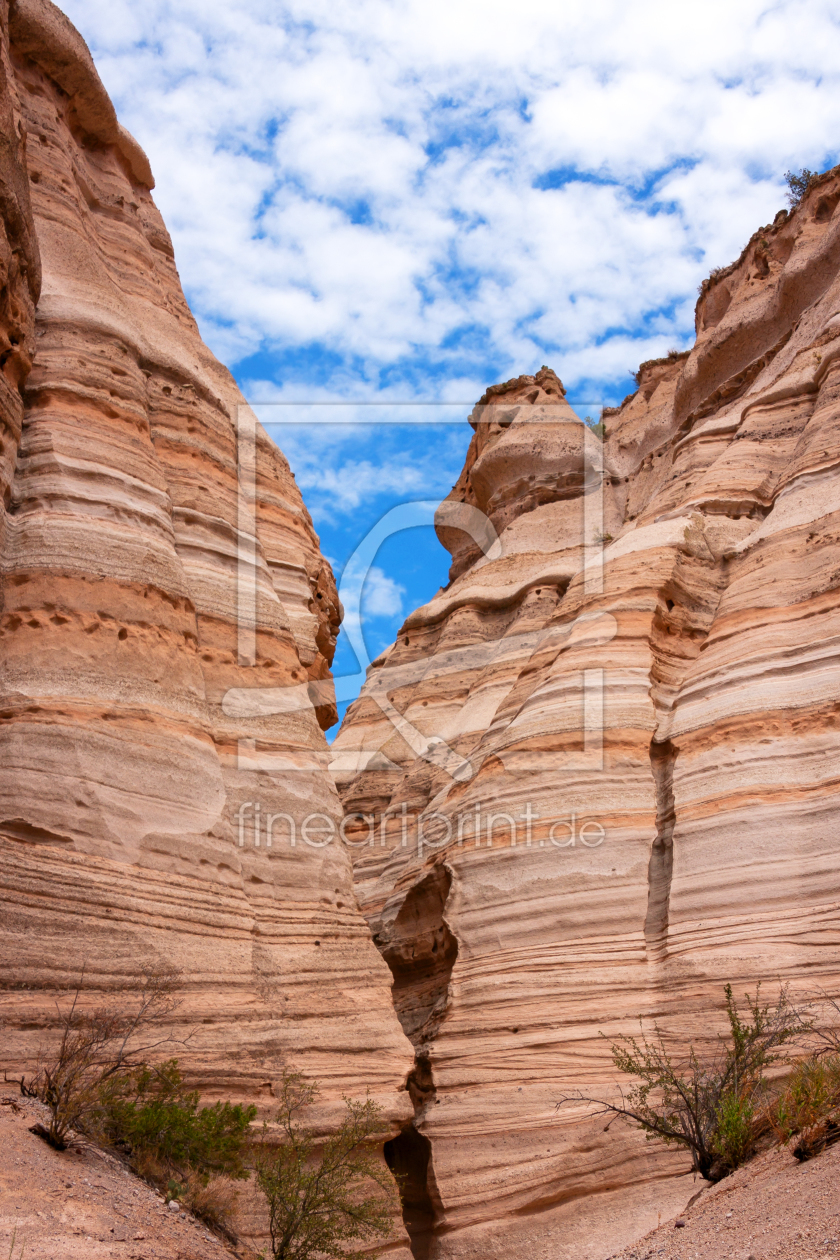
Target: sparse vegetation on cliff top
{"x": 798, "y": 183}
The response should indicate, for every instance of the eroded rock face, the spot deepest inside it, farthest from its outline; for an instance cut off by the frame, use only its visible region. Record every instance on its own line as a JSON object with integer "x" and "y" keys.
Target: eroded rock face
{"x": 157, "y": 561}
{"x": 698, "y": 770}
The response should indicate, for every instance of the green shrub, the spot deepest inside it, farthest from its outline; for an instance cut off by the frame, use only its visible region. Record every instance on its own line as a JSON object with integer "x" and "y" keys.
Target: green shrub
{"x": 95, "y": 1080}
{"x": 322, "y": 1197}
{"x": 150, "y": 1112}
{"x": 733, "y": 1138}
{"x": 95, "y": 1048}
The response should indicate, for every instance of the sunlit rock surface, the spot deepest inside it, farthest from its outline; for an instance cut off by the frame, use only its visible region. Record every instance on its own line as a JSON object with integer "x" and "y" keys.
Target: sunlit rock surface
{"x": 647, "y": 653}
{"x": 156, "y": 554}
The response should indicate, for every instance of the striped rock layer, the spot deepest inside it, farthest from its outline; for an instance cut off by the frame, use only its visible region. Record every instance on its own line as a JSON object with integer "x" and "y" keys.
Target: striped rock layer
{"x": 156, "y": 555}
{"x": 632, "y": 683}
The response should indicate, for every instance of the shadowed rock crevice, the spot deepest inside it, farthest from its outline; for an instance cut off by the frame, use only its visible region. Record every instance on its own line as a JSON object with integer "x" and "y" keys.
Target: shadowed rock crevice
{"x": 409, "y": 1156}
{"x": 661, "y": 864}
{"x": 421, "y": 950}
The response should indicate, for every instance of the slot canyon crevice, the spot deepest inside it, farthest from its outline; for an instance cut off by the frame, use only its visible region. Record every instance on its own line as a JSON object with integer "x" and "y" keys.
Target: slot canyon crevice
{"x": 421, "y": 951}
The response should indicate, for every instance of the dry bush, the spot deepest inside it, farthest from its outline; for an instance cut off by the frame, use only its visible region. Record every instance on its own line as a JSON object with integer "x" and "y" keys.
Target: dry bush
{"x": 214, "y": 1201}
{"x": 94, "y": 1048}
{"x": 149, "y": 1167}
{"x": 817, "y": 1137}
{"x": 706, "y": 1102}
{"x": 808, "y": 1109}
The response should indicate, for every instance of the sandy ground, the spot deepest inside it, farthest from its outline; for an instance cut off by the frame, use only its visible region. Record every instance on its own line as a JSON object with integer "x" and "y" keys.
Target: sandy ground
{"x": 82, "y": 1204}
{"x": 773, "y": 1207}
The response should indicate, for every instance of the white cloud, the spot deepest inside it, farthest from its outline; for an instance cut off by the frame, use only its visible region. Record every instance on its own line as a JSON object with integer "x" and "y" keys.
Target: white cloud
{"x": 343, "y": 467}
{"x": 370, "y": 175}
{"x": 381, "y": 596}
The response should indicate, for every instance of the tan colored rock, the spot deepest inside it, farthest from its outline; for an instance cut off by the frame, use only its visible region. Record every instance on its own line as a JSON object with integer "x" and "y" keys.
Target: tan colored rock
{"x": 156, "y": 554}
{"x": 701, "y": 776}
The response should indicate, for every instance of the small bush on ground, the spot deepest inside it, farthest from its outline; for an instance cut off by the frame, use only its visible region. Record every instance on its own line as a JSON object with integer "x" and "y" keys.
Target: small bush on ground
{"x": 706, "y": 1103}
{"x": 96, "y": 1081}
{"x": 192, "y": 1153}
{"x": 809, "y": 1107}
{"x": 152, "y": 1113}
{"x": 323, "y": 1197}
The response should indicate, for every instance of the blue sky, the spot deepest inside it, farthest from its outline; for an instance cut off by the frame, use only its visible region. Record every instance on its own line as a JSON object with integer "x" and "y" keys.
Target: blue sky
{"x": 404, "y": 200}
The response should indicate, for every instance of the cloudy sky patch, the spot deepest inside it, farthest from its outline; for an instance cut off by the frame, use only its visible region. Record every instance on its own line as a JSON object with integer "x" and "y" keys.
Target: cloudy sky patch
{"x": 410, "y": 199}
{"x": 377, "y": 196}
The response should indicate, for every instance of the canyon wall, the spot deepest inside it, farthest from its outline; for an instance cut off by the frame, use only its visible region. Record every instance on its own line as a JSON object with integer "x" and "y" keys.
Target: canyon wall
{"x": 595, "y": 778}
{"x": 156, "y": 554}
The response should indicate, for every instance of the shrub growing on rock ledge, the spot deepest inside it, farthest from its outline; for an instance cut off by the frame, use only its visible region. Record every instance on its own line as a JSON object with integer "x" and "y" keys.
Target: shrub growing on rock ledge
{"x": 797, "y": 183}
{"x": 705, "y": 1103}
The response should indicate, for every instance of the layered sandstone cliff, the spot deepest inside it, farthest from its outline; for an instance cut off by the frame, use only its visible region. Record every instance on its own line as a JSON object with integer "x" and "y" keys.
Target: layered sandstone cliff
{"x": 631, "y": 682}
{"x": 155, "y": 553}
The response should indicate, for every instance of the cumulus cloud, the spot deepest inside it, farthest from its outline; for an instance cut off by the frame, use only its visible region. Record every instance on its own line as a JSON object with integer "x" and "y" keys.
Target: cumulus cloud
{"x": 382, "y": 596}
{"x": 394, "y": 195}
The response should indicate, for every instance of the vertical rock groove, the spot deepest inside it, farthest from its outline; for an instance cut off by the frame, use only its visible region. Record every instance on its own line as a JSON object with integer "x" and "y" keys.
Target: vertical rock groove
{"x": 409, "y": 1156}
{"x": 420, "y": 950}
{"x": 661, "y": 863}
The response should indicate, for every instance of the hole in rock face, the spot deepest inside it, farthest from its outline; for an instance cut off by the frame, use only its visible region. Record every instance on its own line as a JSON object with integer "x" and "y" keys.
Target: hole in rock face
{"x": 421, "y": 952}
{"x": 661, "y": 863}
{"x": 408, "y": 1156}
{"x": 825, "y": 208}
